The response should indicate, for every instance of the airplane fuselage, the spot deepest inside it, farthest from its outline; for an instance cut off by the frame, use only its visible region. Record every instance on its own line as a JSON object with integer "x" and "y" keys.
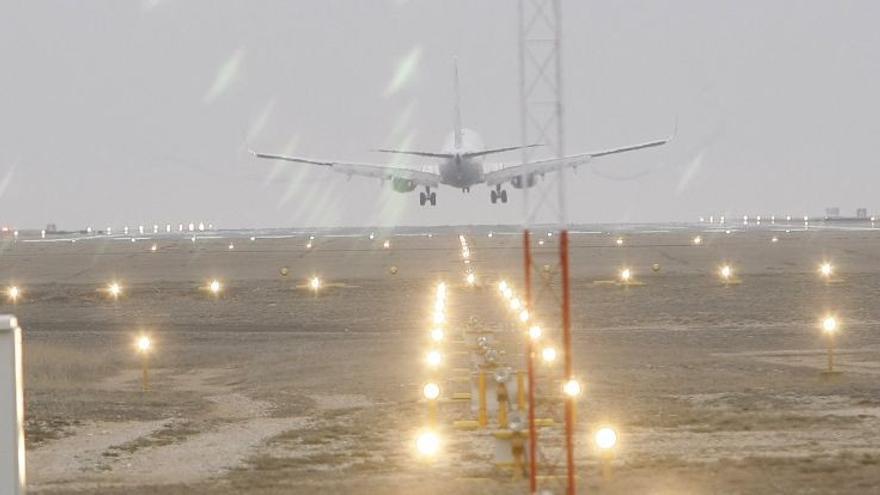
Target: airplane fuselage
{"x": 461, "y": 171}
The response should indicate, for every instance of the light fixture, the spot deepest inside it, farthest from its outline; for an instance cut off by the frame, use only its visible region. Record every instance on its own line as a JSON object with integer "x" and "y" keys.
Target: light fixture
{"x": 572, "y": 388}
{"x": 606, "y": 438}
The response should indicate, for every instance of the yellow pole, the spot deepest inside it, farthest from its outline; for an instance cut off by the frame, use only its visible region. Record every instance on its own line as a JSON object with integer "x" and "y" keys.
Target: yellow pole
{"x": 483, "y": 419}
{"x": 146, "y": 381}
{"x": 432, "y": 413}
{"x": 830, "y": 353}
{"x": 502, "y": 414}
{"x": 521, "y": 390}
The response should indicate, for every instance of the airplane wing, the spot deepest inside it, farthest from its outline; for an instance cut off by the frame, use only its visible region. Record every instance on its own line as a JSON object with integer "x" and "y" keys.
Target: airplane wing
{"x": 541, "y": 167}
{"x": 363, "y": 169}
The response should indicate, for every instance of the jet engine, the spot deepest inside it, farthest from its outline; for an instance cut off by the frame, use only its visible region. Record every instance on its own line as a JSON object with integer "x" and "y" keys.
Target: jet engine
{"x": 402, "y": 185}
{"x": 517, "y": 181}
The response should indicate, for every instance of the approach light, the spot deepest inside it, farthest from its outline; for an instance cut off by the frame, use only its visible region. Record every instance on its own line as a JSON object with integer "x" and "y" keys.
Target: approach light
{"x": 434, "y": 358}
{"x": 774, "y": 239}
{"x": 431, "y": 391}
{"x": 144, "y": 344}
{"x": 572, "y": 388}
{"x": 114, "y": 289}
{"x": 437, "y": 334}
{"x": 441, "y": 290}
{"x": 548, "y": 354}
{"x": 619, "y": 241}
{"x": 726, "y": 272}
{"x": 428, "y": 443}
{"x": 154, "y": 248}
{"x": 535, "y": 332}
{"x": 386, "y": 244}
{"x": 825, "y": 269}
{"x": 471, "y": 279}
{"x": 215, "y": 287}
{"x": 315, "y": 283}
{"x": 231, "y": 246}
{"x": 829, "y": 324}
{"x": 625, "y": 275}
{"x": 309, "y": 245}
{"x": 515, "y": 304}
{"x": 697, "y": 240}
{"x": 13, "y": 293}
{"x": 524, "y": 316}
{"x": 606, "y": 438}
{"x": 439, "y": 318}
{"x": 503, "y": 287}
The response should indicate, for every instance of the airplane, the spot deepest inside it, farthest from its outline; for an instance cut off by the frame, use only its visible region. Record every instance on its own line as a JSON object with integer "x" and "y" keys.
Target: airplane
{"x": 461, "y": 164}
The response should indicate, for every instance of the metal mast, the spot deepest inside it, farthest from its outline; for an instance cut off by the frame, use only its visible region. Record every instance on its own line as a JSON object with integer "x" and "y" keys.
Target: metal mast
{"x": 541, "y": 121}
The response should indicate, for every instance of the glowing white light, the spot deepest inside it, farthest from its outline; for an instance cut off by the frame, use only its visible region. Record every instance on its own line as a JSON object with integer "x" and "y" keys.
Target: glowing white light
{"x": 154, "y": 248}
{"x": 524, "y": 316}
{"x": 502, "y": 286}
{"x": 431, "y": 391}
{"x": 829, "y": 324}
{"x": 372, "y": 236}
{"x": 774, "y": 239}
{"x": 13, "y": 293}
{"x": 606, "y": 438}
{"x": 698, "y": 240}
{"x": 437, "y": 334}
{"x": 201, "y": 227}
{"x": 141, "y": 229}
{"x": 428, "y": 443}
{"x": 548, "y": 354}
{"x": 825, "y": 269}
{"x": 540, "y": 242}
{"x": 114, "y": 289}
{"x": 434, "y": 358}
{"x": 535, "y": 332}
{"x": 144, "y": 344}
{"x": 315, "y": 283}
{"x": 386, "y": 244}
{"x": 215, "y": 287}
{"x": 308, "y": 245}
{"x": 253, "y": 238}
{"x": 439, "y": 318}
{"x": 625, "y": 275}
{"x": 231, "y": 246}
{"x": 515, "y": 304}
{"x": 43, "y": 234}
{"x": 471, "y": 279}
{"x": 572, "y": 388}
{"x": 726, "y": 272}
{"x": 619, "y": 241}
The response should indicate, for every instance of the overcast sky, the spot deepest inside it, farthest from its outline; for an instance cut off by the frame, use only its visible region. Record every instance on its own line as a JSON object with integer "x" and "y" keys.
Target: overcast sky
{"x": 125, "y": 112}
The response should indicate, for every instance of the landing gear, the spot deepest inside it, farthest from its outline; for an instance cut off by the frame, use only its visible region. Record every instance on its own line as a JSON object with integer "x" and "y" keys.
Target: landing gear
{"x": 428, "y": 197}
{"x": 497, "y": 194}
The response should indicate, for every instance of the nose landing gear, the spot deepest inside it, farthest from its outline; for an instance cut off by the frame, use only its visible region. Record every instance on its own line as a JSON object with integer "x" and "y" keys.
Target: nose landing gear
{"x": 428, "y": 197}
{"x": 497, "y": 194}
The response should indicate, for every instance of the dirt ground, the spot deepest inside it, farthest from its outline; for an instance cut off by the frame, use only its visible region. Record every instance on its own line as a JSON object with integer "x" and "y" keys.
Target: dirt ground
{"x": 272, "y": 389}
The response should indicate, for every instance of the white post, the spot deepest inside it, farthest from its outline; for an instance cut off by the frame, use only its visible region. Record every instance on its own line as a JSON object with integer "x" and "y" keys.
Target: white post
{"x": 12, "y": 468}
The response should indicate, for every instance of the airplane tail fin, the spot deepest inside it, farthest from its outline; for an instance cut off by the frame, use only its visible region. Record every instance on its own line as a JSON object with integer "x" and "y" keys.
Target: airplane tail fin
{"x": 457, "y": 116}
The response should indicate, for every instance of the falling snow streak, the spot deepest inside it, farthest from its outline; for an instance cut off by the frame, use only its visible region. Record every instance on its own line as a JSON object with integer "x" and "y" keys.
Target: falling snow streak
{"x": 226, "y": 76}
{"x": 404, "y": 71}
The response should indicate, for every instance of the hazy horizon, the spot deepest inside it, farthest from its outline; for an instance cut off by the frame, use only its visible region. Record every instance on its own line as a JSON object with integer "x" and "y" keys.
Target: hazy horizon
{"x": 127, "y": 113}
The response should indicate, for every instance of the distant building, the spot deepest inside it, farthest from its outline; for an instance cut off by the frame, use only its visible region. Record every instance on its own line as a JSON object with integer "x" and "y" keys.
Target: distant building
{"x": 51, "y": 228}
{"x": 861, "y": 213}
{"x": 832, "y": 212}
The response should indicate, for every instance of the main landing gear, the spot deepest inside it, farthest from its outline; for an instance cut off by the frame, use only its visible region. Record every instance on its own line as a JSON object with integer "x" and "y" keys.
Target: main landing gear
{"x": 497, "y": 194}
{"x": 427, "y": 197}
